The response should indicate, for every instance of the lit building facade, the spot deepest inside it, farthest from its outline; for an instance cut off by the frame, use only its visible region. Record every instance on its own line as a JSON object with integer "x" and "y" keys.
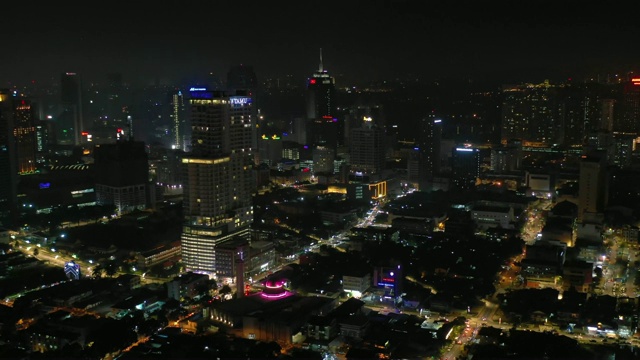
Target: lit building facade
{"x": 323, "y": 159}
{"x": 367, "y": 149}
{"x": 465, "y": 165}
{"x": 628, "y": 108}
{"x": 218, "y": 176}
{"x": 321, "y": 109}
{"x": 24, "y": 133}
{"x": 178, "y": 114}
{"x": 529, "y": 112}
{"x": 70, "y": 123}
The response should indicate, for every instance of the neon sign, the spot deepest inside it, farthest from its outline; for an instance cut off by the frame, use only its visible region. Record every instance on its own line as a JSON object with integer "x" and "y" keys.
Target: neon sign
{"x": 237, "y": 100}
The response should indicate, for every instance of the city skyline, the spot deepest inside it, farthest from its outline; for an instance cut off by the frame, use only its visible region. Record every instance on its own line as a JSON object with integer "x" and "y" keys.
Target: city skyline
{"x": 360, "y": 41}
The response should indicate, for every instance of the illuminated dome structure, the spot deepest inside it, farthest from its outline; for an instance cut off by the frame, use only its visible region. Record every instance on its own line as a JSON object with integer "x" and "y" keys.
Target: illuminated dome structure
{"x": 274, "y": 289}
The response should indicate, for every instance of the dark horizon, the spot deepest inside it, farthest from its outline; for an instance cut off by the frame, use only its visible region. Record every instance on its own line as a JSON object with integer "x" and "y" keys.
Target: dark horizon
{"x": 361, "y": 40}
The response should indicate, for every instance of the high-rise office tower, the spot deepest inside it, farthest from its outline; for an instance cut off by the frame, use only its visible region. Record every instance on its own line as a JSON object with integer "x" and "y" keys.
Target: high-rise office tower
{"x": 218, "y": 176}
{"x": 178, "y": 119}
{"x": 122, "y": 175}
{"x": 600, "y": 143}
{"x": 592, "y": 194}
{"x": 299, "y": 130}
{"x": 321, "y": 109}
{"x": 428, "y": 137}
{"x": 606, "y": 114}
{"x": 44, "y": 135}
{"x": 24, "y": 133}
{"x": 504, "y": 159}
{"x": 8, "y": 168}
{"x": 579, "y": 110}
{"x": 323, "y": 159}
{"x": 623, "y": 153}
{"x": 352, "y": 118}
{"x": 367, "y": 150}
{"x": 115, "y": 98}
{"x": 243, "y": 78}
{"x": 465, "y": 166}
{"x": 270, "y": 149}
{"x": 70, "y": 123}
{"x": 628, "y": 108}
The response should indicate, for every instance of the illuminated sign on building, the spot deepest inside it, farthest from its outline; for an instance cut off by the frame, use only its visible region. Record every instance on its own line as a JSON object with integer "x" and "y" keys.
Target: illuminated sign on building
{"x": 72, "y": 270}
{"x": 119, "y": 132}
{"x": 635, "y": 81}
{"x": 240, "y": 100}
{"x": 273, "y": 137}
{"x": 200, "y": 93}
{"x": 44, "y": 185}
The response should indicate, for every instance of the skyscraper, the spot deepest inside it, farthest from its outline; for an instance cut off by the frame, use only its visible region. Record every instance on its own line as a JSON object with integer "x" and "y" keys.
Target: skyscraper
{"x": 24, "y": 133}
{"x": 218, "y": 176}
{"x": 530, "y": 112}
{"x": 428, "y": 137}
{"x": 367, "y": 150}
{"x": 321, "y": 109}
{"x": 465, "y": 165}
{"x": 243, "y": 78}
{"x": 628, "y": 111}
{"x": 8, "y": 168}
{"x": 592, "y": 194}
{"x": 178, "y": 114}
{"x": 70, "y": 123}
{"x": 122, "y": 175}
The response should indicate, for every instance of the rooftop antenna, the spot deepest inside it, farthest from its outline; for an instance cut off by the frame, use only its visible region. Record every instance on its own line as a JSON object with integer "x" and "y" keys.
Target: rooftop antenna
{"x": 321, "y": 69}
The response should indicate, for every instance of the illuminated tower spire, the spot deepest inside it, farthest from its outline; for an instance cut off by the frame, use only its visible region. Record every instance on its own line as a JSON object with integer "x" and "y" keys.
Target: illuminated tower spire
{"x": 320, "y": 69}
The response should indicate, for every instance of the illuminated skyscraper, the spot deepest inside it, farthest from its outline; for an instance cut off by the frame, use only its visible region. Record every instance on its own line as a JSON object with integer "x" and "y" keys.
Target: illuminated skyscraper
{"x": 218, "y": 176}
{"x": 70, "y": 123}
{"x": 465, "y": 165}
{"x": 178, "y": 114}
{"x": 427, "y": 153}
{"x": 530, "y": 112}
{"x": 367, "y": 150}
{"x": 243, "y": 78}
{"x": 24, "y": 133}
{"x": 321, "y": 109}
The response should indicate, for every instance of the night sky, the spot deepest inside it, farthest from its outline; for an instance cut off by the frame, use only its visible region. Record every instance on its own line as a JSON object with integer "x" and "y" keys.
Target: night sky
{"x": 361, "y": 40}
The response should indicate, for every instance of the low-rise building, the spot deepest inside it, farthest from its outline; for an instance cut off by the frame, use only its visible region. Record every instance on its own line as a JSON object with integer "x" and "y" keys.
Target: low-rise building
{"x": 357, "y": 284}
{"x": 493, "y": 216}
{"x": 186, "y": 285}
